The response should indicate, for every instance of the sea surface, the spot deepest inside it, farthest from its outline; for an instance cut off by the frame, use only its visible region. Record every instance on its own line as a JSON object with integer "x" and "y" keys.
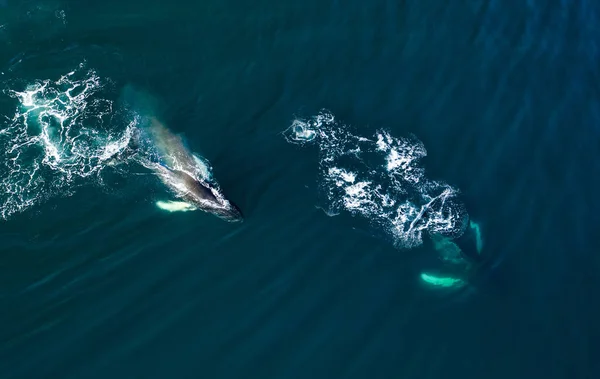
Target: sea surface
{"x": 418, "y": 180}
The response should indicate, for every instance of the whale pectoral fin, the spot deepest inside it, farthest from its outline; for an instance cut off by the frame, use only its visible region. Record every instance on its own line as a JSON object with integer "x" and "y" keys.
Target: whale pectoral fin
{"x": 175, "y": 206}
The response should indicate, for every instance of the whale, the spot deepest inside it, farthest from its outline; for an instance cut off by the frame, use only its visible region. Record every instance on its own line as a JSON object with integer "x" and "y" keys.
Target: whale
{"x": 188, "y": 176}
{"x": 199, "y": 194}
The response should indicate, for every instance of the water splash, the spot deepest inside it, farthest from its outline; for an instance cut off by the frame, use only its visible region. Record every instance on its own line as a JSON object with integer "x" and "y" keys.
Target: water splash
{"x": 61, "y": 132}
{"x": 381, "y": 179}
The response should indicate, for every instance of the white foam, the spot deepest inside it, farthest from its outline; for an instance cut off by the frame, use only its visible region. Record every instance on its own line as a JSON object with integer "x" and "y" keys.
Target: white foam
{"x": 301, "y": 133}
{"x": 203, "y": 168}
{"x": 381, "y": 179}
{"x": 342, "y": 175}
{"x": 58, "y": 134}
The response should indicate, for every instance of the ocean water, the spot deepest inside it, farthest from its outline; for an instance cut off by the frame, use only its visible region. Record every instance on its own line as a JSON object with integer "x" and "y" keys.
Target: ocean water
{"x": 417, "y": 178}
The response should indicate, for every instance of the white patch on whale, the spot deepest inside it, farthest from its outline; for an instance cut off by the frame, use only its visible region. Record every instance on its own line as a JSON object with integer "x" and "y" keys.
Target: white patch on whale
{"x": 175, "y": 206}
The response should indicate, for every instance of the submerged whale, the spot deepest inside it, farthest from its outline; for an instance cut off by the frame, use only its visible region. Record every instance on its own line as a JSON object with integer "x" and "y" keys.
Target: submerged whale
{"x": 184, "y": 173}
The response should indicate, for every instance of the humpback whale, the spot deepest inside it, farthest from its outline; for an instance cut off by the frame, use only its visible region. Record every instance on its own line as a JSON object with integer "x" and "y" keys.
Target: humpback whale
{"x": 183, "y": 172}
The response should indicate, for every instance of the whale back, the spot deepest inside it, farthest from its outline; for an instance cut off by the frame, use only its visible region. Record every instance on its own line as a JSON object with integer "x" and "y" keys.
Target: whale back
{"x": 196, "y": 187}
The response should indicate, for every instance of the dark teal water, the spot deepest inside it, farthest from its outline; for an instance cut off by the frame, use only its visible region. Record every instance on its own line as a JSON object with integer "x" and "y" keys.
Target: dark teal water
{"x": 96, "y": 281}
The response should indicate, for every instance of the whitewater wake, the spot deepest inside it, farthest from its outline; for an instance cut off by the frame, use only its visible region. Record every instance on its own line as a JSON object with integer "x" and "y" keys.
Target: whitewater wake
{"x": 380, "y": 178}
{"x": 60, "y": 133}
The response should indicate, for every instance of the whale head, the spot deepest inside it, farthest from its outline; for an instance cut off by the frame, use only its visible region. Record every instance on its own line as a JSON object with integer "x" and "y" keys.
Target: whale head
{"x": 205, "y": 197}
